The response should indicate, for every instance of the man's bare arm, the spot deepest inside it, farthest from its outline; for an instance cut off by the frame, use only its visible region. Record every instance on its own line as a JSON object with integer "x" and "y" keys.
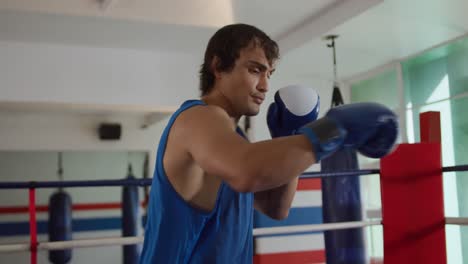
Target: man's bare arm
{"x": 247, "y": 167}
{"x": 276, "y": 202}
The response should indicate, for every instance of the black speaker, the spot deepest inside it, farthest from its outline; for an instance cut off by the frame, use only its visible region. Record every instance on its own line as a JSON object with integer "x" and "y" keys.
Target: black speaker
{"x": 110, "y": 131}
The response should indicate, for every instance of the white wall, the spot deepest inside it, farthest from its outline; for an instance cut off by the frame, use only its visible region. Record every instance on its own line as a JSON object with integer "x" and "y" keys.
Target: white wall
{"x": 75, "y": 131}
{"x": 39, "y": 72}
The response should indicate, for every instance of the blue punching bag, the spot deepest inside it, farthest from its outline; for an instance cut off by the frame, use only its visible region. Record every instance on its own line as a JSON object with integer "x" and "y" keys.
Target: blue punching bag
{"x": 341, "y": 202}
{"x": 130, "y": 204}
{"x": 60, "y": 225}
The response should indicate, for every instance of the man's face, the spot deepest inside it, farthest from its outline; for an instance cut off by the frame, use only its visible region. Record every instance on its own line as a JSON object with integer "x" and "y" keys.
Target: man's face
{"x": 246, "y": 84}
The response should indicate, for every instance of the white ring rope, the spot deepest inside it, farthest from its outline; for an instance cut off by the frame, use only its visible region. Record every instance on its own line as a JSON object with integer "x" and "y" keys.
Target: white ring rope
{"x": 14, "y": 247}
{"x": 116, "y": 241}
{"x": 456, "y": 221}
{"x": 312, "y": 228}
{"x": 95, "y": 242}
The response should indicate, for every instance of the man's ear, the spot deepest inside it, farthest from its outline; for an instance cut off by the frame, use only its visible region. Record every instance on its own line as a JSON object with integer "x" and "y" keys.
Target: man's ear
{"x": 215, "y": 67}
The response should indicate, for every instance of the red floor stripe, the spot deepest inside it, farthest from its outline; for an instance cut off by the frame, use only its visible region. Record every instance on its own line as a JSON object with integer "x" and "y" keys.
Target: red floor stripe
{"x": 301, "y": 257}
{"x": 309, "y": 184}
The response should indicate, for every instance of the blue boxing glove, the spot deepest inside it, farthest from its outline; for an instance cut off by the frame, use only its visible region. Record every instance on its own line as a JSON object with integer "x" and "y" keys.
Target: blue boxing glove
{"x": 370, "y": 128}
{"x": 293, "y": 107}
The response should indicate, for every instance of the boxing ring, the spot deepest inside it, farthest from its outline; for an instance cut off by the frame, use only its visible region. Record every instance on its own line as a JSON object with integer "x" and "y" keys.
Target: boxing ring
{"x": 413, "y": 219}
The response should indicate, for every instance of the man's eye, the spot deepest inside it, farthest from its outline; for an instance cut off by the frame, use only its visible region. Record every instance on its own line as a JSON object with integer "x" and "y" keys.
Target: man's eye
{"x": 270, "y": 74}
{"x": 256, "y": 71}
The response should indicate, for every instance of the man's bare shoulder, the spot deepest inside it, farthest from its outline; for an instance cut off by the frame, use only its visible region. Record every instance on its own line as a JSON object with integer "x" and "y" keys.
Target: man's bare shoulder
{"x": 201, "y": 117}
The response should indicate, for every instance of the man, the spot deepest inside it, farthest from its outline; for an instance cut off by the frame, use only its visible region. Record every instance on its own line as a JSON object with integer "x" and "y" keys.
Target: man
{"x": 208, "y": 177}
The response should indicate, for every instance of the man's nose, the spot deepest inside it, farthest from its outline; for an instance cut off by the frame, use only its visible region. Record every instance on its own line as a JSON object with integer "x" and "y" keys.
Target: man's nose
{"x": 263, "y": 84}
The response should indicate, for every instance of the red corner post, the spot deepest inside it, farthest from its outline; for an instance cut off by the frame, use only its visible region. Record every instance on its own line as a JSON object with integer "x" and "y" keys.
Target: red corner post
{"x": 32, "y": 225}
{"x": 412, "y": 199}
{"x": 429, "y": 123}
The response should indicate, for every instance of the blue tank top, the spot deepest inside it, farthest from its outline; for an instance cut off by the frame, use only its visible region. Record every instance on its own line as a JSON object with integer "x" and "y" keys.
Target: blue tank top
{"x": 177, "y": 232}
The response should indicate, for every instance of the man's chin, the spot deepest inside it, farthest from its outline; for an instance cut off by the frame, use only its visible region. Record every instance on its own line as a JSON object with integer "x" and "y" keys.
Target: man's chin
{"x": 252, "y": 112}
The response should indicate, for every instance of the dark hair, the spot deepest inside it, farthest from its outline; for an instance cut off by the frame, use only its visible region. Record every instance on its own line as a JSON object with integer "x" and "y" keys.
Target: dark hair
{"x": 226, "y": 44}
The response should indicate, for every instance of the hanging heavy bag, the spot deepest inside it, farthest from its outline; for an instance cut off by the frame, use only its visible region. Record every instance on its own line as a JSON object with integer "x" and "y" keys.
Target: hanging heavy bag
{"x": 60, "y": 225}
{"x": 130, "y": 204}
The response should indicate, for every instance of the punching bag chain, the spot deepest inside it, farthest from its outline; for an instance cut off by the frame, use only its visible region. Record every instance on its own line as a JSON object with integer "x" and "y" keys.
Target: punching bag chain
{"x": 332, "y": 45}
{"x": 337, "y": 98}
{"x": 60, "y": 168}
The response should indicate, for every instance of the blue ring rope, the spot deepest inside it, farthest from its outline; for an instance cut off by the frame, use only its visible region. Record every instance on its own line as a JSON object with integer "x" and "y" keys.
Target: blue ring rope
{"x": 147, "y": 182}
